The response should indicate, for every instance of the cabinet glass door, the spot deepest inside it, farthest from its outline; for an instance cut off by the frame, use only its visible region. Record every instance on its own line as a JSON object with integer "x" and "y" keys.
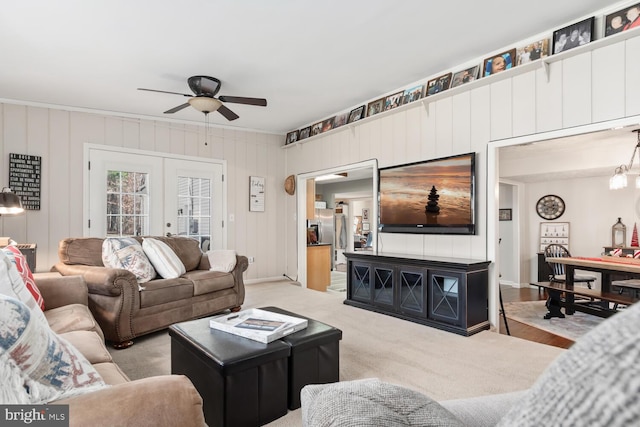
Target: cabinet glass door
{"x": 444, "y": 297}
{"x": 412, "y": 292}
{"x": 360, "y": 284}
{"x": 383, "y": 286}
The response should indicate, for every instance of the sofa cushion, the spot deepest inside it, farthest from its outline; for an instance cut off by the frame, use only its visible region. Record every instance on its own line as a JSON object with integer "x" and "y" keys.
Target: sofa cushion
{"x": 22, "y": 266}
{"x": 164, "y": 259}
{"x": 72, "y": 317}
{"x": 187, "y": 249}
{"x": 127, "y": 253}
{"x": 205, "y": 281}
{"x": 11, "y": 284}
{"x": 371, "y": 403}
{"x": 90, "y": 344}
{"x": 594, "y": 383}
{"x": 81, "y": 250}
{"x": 222, "y": 260}
{"x": 42, "y": 365}
{"x": 161, "y": 291}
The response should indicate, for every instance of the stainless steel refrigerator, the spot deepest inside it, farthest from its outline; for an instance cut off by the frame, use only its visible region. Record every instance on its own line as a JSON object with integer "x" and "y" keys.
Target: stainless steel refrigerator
{"x": 324, "y": 219}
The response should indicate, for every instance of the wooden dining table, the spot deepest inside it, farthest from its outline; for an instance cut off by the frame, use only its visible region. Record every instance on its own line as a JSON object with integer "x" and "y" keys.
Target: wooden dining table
{"x": 608, "y": 267}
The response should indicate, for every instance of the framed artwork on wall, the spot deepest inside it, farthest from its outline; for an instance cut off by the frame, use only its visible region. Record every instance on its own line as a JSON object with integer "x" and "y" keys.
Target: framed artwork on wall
{"x": 304, "y": 133}
{"x": 356, "y": 114}
{"x": 292, "y": 137}
{"x": 438, "y": 84}
{"x": 573, "y": 35}
{"x": 500, "y": 62}
{"x": 465, "y": 76}
{"x": 504, "y": 214}
{"x": 554, "y": 232}
{"x": 622, "y": 20}
{"x": 374, "y": 107}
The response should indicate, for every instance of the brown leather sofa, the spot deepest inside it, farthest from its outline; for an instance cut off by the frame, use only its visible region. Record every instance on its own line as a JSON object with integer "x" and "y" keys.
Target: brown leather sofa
{"x": 124, "y": 310}
{"x": 167, "y": 400}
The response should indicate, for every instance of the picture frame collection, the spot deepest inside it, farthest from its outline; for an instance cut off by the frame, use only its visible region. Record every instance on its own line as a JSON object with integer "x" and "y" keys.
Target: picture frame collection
{"x": 577, "y": 34}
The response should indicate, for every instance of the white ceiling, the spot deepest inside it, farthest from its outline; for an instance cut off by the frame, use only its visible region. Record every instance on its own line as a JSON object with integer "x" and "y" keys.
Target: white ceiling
{"x": 309, "y": 59}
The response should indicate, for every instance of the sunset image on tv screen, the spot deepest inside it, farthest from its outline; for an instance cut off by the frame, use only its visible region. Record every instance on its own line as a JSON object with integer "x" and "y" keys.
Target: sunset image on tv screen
{"x": 431, "y": 193}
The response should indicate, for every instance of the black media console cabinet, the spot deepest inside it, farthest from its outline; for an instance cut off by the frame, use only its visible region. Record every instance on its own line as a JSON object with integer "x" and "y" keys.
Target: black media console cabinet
{"x": 446, "y": 293}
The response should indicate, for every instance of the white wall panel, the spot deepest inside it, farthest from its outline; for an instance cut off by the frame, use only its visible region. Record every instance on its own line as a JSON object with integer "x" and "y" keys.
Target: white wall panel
{"x": 38, "y": 145}
{"x": 131, "y": 134}
{"x": 399, "y": 137}
{"x": 444, "y": 127}
{"x": 413, "y": 134}
{"x": 147, "y": 136}
{"x": 428, "y": 114}
{"x": 114, "y": 134}
{"x": 386, "y": 141}
{"x": 55, "y": 180}
{"x": 576, "y": 90}
{"x": 549, "y": 97}
{"x": 608, "y": 82}
{"x": 632, "y": 71}
{"x": 177, "y": 140}
{"x": 461, "y": 110}
{"x": 524, "y": 104}
{"x": 501, "y": 109}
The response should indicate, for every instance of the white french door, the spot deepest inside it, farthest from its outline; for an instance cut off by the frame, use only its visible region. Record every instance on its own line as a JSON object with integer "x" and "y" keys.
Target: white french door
{"x": 135, "y": 193}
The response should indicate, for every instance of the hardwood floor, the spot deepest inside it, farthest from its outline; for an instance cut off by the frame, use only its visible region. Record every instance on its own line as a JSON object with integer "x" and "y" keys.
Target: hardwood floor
{"x": 520, "y": 330}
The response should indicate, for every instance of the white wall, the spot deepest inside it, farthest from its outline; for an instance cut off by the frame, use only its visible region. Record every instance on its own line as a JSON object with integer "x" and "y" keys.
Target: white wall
{"x": 582, "y": 86}
{"x": 509, "y": 263}
{"x": 58, "y": 136}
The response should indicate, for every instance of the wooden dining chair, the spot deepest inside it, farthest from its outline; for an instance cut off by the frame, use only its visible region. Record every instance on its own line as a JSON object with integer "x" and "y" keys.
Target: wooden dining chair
{"x": 558, "y": 275}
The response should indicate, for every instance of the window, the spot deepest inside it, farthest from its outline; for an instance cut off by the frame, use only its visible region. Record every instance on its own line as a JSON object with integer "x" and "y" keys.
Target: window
{"x": 194, "y": 209}
{"x": 127, "y": 203}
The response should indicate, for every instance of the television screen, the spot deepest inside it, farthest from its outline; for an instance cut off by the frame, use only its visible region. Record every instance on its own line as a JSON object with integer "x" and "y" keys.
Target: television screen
{"x": 432, "y": 196}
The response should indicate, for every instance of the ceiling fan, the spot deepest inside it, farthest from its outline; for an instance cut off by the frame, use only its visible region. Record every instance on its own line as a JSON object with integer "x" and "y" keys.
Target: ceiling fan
{"x": 205, "y": 89}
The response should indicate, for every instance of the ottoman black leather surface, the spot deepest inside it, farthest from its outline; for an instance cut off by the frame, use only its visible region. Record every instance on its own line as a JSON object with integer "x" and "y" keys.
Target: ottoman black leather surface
{"x": 315, "y": 355}
{"x": 242, "y": 382}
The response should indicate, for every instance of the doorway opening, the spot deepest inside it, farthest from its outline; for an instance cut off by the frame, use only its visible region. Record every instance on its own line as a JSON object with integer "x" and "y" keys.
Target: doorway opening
{"x": 359, "y": 181}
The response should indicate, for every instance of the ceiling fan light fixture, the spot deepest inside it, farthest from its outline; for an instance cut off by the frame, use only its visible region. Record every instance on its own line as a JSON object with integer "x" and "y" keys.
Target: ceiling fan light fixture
{"x": 205, "y": 104}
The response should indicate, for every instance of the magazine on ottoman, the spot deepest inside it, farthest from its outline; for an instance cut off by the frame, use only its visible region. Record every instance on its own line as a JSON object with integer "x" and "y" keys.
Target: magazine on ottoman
{"x": 258, "y": 325}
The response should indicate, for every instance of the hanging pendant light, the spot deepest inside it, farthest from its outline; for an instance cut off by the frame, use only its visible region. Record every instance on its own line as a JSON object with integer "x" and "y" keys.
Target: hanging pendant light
{"x": 619, "y": 179}
{"x": 10, "y": 202}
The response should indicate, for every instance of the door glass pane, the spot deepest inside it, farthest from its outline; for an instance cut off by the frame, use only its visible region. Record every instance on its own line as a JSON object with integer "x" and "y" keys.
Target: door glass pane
{"x": 127, "y": 203}
{"x": 194, "y": 209}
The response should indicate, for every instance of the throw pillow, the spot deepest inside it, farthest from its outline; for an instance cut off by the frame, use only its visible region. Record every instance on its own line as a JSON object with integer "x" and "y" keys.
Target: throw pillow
{"x": 371, "y": 403}
{"x": 163, "y": 258}
{"x": 11, "y": 284}
{"x": 222, "y": 260}
{"x": 594, "y": 383}
{"x": 22, "y": 266}
{"x": 127, "y": 253}
{"x": 39, "y": 365}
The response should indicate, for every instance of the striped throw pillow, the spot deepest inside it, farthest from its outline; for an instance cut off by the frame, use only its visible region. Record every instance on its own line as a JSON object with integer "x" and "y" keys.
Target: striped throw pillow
{"x": 163, "y": 258}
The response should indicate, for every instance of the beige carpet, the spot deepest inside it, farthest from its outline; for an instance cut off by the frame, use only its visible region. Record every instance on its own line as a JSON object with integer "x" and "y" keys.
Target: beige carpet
{"x": 532, "y": 313}
{"x": 440, "y": 364}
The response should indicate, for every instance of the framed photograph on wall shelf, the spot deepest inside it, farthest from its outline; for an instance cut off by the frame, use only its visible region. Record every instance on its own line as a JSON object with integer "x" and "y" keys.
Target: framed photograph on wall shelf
{"x": 622, "y": 20}
{"x": 504, "y": 214}
{"x": 356, "y": 114}
{"x": 375, "y": 107}
{"x": 554, "y": 232}
{"x": 340, "y": 120}
{"x": 292, "y": 137}
{"x": 393, "y": 101}
{"x": 500, "y": 62}
{"x": 304, "y": 133}
{"x": 438, "y": 84}
{"x": 532, "y": 51}
{"x": 316, "y": 129}
{"x": 327, "y": 124}
{"x": 412, "y": 94}
{"x": 465, "y": 76}
{"x": 573, "y": 35}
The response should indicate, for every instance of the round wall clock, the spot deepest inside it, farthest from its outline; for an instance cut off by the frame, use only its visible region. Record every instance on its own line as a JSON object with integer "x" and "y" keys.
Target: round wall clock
{"x": 550, "y": 207}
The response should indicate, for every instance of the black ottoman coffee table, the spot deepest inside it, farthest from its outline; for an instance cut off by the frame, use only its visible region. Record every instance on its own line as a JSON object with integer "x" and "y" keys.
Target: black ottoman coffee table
{"x": 242, "y": 382}
{"x": 315, "y": 355}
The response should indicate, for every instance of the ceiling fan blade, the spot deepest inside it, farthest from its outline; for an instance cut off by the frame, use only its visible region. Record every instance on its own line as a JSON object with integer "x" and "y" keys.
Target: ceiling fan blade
{"x": 164, "y": 91}
{"x": 178, "y": 108}
{"x": 242, "y": 100}
{"x": 230, "y": 115}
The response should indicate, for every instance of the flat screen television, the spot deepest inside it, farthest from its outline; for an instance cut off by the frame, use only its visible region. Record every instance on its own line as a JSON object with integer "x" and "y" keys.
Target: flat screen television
{"x": 431, "y": 197}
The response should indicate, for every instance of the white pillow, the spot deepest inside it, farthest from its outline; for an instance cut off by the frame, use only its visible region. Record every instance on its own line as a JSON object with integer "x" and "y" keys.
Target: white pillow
{"x": 222, "y": 260}
{"x": 163, "y": 258}
{"x": 126, "y": 253}
{"x": 12, "y": 285}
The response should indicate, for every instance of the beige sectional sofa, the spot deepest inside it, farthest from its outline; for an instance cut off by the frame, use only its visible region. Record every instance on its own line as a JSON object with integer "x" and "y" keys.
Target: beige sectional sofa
{"x": 169, "y": 400}
{"x": 125, "y": 310}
